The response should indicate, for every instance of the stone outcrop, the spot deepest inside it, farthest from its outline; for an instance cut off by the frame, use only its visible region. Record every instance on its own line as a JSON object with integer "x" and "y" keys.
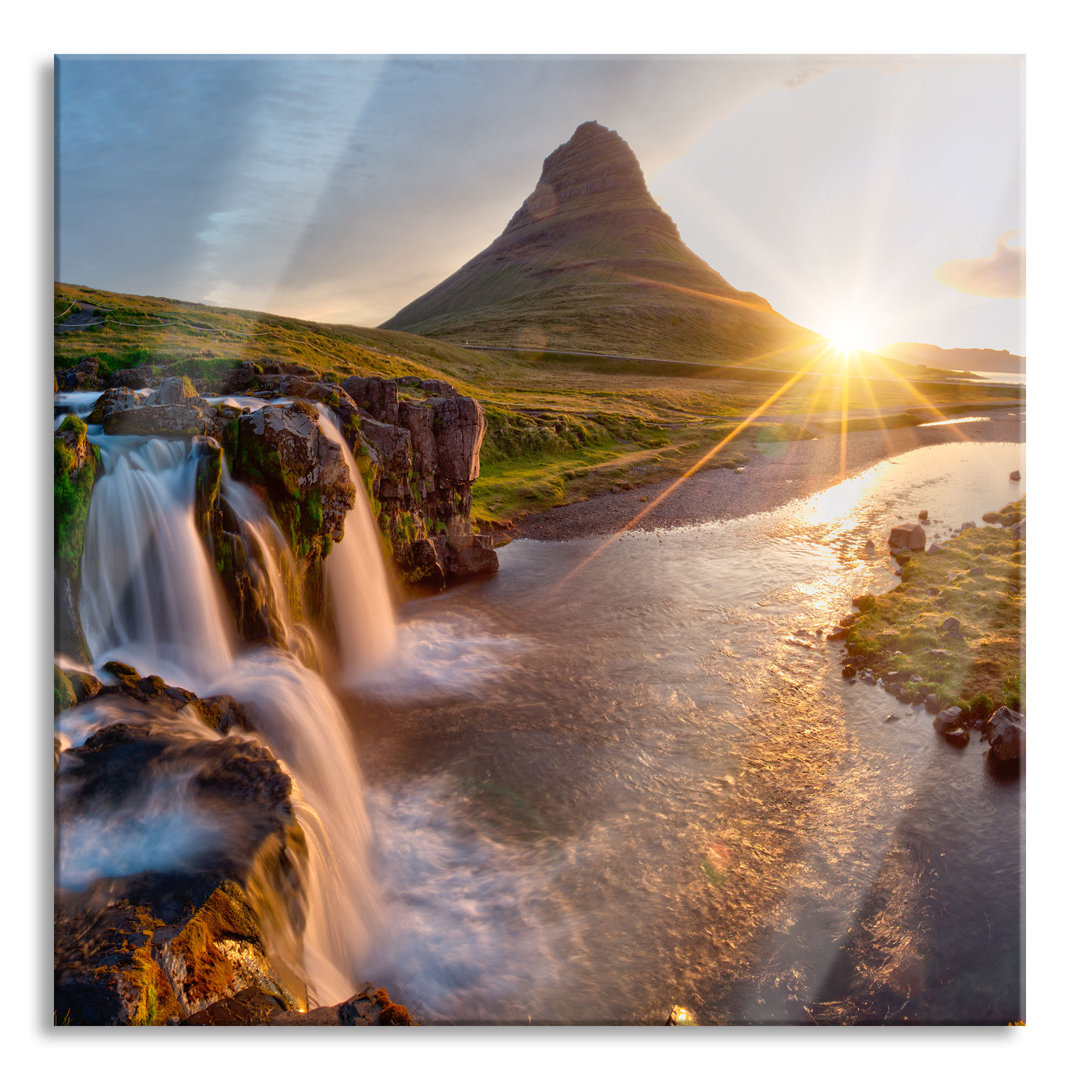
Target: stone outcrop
{"x": 157, "y": 946}
{"x": 174, "y": 410}
{"x": 418, "y": 442}
{"x": 304, "y": 478}
{"x": 1006, "y": 731}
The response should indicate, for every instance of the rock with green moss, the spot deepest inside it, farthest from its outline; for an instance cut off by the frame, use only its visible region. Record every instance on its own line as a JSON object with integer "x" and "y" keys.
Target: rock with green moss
{"x": 304, "y": 478}
{"x": 63, "y": 692}
{"x": 76, "y": 466}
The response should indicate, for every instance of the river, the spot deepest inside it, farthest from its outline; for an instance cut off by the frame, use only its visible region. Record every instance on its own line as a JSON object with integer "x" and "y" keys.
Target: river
{"x": 621, "y": 778}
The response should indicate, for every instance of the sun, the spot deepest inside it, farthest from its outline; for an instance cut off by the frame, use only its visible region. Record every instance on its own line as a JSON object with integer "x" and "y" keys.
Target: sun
{"x": 847, "y": 339}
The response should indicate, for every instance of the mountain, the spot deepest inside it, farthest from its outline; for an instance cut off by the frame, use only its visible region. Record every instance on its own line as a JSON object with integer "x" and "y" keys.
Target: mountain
{"x": 591, "y": 262}
{"x": 954, "y": 359}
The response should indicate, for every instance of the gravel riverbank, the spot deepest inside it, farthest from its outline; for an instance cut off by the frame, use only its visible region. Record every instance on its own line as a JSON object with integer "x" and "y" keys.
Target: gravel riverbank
{"x": 773, "y": 477}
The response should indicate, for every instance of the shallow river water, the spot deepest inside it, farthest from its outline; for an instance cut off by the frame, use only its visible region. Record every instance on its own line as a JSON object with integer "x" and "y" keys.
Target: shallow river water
{"x": 625, "y": 776}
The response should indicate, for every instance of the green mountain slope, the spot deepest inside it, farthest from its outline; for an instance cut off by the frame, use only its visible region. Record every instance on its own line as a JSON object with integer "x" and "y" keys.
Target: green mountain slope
{"x": 591, "y": 262}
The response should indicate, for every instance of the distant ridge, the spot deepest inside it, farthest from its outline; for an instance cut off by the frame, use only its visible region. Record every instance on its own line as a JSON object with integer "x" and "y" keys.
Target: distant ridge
{"x": 591, "y": 262}
{"x": 911, "y": 352}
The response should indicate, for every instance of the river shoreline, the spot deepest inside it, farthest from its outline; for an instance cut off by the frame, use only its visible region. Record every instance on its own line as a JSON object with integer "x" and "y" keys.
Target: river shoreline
{"x": 773, "y": 477}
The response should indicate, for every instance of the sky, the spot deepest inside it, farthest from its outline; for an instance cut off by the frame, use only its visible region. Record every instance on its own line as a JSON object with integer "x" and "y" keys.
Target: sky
{"x": 878, "y": 197}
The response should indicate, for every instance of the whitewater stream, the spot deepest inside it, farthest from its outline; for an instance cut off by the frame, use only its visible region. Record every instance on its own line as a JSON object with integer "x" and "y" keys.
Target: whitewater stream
{"x": 620, "y": 777}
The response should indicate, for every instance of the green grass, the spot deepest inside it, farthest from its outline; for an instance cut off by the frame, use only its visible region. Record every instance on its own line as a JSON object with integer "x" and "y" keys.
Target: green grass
{"x": 620, "y": 421}
{"x": 977, "y": 578}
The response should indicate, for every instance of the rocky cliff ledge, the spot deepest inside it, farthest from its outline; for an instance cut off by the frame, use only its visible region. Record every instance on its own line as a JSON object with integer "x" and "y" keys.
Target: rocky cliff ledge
{"x": 416, "y": 444}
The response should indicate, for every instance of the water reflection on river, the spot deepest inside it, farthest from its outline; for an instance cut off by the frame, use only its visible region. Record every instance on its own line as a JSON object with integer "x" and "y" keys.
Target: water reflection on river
{"x": 624, "y": 776}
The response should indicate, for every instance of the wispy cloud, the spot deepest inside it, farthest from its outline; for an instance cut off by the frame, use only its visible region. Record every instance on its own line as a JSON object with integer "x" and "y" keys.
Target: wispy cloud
{"x": 999, "y": 275}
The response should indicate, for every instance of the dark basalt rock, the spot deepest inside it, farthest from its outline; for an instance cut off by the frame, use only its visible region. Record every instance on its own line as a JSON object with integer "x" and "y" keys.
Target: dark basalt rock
{"x": 137, "y": 378}
{"x": 154, "y": 947}
{"x": 1006, "y": 731}
{"x": 85, "y": 375}
{"x": 370, "y": 1006}
{"x": 112, "y": 401}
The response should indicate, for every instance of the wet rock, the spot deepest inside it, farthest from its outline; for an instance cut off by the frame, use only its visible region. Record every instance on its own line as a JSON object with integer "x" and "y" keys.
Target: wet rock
{"x": 932, "y": 704}
{"x": 250, "y": 1008}
{"x": 174, "y": 390}
{"x": 428, "y": 561}
{"x": 63, "y": 692}
{"x": 470, "y": 555}
{"x": 1015, "y": 474}
{"x": 85, "y": 375}
{"x": 924, "y": 515}
{"x": 371, "y": 1006}
{"x": 76, "y": 467}
{"x": 1006, "y": 731}
{"x": 136, "y": 378}
{"x": 837, "y": 633}
{"x": 967, "y": 525}
{"x": 907, "y": 538}
{"x": 284, "y": 384}
{"x": 1019, "y": 530}
{"x": 305, "y": 480}
{"x": 849, "y": 672}
{"x": 956, "y": 736}
{"x": 112, "y": 401}
{"x": 948, "y": 719}
{"x": 933, "y": 549}
{"x": 154, "y": 947}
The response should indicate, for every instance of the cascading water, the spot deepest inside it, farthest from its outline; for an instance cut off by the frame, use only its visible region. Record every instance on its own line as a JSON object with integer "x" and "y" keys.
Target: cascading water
{"x": 359, "y": 588}
{"x": 150, "y": 598}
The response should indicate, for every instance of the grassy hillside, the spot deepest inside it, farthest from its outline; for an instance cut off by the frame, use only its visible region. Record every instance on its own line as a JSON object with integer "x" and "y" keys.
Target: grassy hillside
{"x": 561, "y": 427}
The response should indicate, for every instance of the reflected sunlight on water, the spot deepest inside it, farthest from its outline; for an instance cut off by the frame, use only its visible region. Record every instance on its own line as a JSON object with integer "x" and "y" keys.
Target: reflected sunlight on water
{"x": 687, "y": 801}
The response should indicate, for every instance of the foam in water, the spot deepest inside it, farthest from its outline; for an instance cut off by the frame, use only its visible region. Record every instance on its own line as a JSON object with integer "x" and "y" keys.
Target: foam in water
{"x": 163, "y": 831}
{"x": 444, "y": 654}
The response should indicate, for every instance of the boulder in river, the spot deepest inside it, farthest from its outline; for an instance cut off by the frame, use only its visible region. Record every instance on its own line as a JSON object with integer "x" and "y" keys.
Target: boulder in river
{"x": 907, "y": 538}
{"x": 948, "y": 719}
{"x": 1006, "y": 731}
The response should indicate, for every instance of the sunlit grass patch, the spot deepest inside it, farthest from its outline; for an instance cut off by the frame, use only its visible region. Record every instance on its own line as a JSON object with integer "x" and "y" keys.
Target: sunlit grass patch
{"x": 976, "y": 579}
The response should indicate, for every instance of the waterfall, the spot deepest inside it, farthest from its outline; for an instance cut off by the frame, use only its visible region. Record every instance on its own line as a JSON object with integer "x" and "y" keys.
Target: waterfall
{"x": 150, "y": 598}
{"x": 359, "y": 585}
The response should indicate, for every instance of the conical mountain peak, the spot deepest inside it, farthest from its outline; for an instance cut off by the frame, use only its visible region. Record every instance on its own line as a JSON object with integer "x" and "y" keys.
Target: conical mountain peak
{"x": 590, "y": 262}
{"x": 593, "y": 170}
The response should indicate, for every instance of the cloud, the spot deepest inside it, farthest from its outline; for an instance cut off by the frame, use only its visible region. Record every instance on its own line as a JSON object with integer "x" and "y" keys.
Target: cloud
{"x": 999, "y": 275}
